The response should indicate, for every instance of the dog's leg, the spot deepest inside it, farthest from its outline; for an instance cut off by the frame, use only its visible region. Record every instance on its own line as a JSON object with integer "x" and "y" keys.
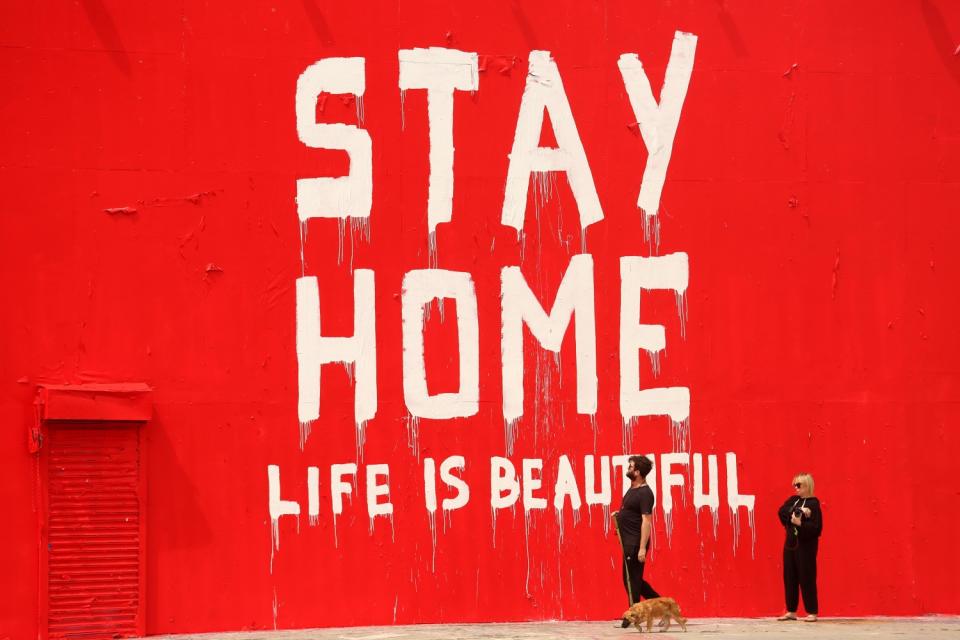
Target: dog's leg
{"x": 683, "y": 623}
{"x": 668, "y": 618}
{"x": 649, "y": 622}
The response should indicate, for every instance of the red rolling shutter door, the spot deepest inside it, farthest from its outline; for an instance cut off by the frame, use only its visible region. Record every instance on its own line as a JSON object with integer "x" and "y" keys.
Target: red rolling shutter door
{"x": 94, "y": 534}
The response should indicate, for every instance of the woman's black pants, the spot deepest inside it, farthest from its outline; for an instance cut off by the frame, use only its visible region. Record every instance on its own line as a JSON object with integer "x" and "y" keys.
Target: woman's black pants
{"x": 633, "y": 580}
{"x": 800, "y": 576}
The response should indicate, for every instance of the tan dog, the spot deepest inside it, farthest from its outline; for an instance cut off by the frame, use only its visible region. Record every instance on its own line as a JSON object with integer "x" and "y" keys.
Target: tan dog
{"x": 663, "y": 608}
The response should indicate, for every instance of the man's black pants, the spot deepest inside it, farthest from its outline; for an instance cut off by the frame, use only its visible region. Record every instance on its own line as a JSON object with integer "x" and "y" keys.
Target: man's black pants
{"x": 633, "y": 580}
{"x": 800, "y": 576}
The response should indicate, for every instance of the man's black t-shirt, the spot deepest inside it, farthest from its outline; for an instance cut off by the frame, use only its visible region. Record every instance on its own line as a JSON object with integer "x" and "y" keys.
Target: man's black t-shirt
{"x": 637, "y": 502}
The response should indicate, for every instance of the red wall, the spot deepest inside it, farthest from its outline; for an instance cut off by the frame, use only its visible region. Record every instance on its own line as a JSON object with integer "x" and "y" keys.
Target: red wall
{"x": 817, "y": 208}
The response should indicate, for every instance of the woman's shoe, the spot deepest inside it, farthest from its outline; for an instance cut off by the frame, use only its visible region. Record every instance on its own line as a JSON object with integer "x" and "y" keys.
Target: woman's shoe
{"x": 810, "y": 618}
{"x": 789, "y": 615}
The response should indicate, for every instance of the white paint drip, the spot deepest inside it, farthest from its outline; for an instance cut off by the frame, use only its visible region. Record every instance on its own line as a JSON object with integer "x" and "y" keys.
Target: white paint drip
{"x": 403, "y": 118}
{"x": 427, "y": 312}
{"x": 651, "y": 230}
{"x": 606, "y": 519}
{"x": 358, "y": 227}
{"x": 703, "y": 564}
{"x": 626, "y": 434}
{"x": 493, "y": 521}
{"x": 360, "y": 431}
{"x": 432, "y": 253}
{"x": 595, "y": 429}
{"x": 360, "y": 109}
{"x": 560, "y": 584}
{"x": 413, "y": 435}
{"x": 735, "y": 522}
{"x": 654, "y": 362}
{"x": 544, "y": 186}
{"x": 668, "y": 521}
{"x": 305, "y": 428}
{"x": 276, "y": 608}
{"x": 361, "y": 227}
{"x": 336, "y": 541}
{"x": 303, "y": 240}
{"x": 680, "y": 434}
{"x": 445, "y": 519}
{"x": 681, "y": 297}
{"x": 510, "y": 434}
{"x": 274, "y": 539}
{"x": 526, "y": 541}
{"x": 543, "y": 384}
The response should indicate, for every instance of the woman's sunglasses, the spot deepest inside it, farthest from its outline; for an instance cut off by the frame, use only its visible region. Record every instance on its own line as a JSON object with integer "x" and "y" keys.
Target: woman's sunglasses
{"x": 797, "y": 484}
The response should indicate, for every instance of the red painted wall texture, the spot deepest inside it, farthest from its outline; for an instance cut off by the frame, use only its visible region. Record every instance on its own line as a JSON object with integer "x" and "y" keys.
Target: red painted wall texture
{"x": 150, "y": 234}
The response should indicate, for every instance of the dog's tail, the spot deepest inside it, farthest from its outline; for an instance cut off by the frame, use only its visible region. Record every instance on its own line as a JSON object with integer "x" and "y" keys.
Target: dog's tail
{"x": 676, "y": 610}
{"x": 679, "y": 616}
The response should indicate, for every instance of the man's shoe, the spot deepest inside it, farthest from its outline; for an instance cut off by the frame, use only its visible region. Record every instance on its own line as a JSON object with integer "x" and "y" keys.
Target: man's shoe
{"x": 624, "y": 624}
{"x": 810, "y": 618}
{"x": 789, "y": 615}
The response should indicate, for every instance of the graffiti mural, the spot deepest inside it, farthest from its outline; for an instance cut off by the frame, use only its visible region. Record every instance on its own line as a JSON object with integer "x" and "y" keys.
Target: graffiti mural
{"x": 409, "y": 284}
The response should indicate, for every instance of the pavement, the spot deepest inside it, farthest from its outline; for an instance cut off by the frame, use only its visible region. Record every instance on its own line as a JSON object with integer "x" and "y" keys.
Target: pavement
{"x": 927, "y": 628}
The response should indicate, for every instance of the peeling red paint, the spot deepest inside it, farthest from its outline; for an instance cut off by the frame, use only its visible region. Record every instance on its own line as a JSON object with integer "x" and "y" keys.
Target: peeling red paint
{"x": 502, "y": 64}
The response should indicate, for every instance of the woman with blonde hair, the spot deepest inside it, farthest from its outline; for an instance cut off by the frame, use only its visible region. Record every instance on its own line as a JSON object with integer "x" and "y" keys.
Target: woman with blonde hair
{"x": 801, "y": 517}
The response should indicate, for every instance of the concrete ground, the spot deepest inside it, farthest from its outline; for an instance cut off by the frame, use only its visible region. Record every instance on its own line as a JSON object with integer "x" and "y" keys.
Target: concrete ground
{"x": 928, "y": 628}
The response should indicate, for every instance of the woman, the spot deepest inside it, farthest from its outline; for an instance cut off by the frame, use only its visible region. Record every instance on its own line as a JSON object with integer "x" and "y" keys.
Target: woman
{"x": 801, "y": 517}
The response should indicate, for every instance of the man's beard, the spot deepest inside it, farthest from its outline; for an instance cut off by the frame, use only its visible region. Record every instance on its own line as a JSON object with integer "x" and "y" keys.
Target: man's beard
{"x": 632, "y": 475}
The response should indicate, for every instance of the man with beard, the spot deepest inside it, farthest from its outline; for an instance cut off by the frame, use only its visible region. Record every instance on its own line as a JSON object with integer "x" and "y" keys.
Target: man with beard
{"x": 634, "y": 523}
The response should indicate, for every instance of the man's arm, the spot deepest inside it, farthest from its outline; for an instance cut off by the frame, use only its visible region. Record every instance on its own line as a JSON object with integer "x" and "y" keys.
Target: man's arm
{"x": 645, "y": 529}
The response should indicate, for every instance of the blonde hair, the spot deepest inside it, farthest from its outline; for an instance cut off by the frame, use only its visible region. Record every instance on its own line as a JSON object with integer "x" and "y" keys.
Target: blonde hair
{"x": 805, "y": 478}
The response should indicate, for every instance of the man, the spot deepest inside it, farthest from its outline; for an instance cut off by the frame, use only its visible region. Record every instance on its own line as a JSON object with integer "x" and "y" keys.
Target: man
{"x": 634, "y": 524}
